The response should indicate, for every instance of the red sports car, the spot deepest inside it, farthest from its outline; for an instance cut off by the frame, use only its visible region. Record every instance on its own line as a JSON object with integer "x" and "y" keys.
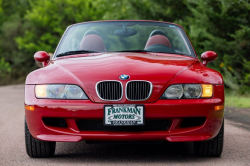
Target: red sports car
{"x": 124, "y": 81}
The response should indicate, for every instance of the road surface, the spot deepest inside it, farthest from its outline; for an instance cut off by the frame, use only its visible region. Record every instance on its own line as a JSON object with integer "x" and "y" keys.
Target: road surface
{"x": 12, "y": 146}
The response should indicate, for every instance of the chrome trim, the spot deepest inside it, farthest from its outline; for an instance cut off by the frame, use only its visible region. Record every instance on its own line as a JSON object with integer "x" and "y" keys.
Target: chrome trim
{"x": 150, "y": 91}
{"x": 106, "y": 81}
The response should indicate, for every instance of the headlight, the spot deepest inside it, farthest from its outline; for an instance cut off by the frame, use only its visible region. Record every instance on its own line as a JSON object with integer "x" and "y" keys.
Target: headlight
{"x": 189, "y": 91}
{"x": 55, "y": 91}
{"x": 72, "y": 91}
{"x": 173, "y": 92}
{"x": 192, "y": 91}
{"x": 59, "y": 91}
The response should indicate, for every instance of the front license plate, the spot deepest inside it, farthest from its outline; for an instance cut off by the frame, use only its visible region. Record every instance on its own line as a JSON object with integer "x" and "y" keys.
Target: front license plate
{"x": 123, "y": 115}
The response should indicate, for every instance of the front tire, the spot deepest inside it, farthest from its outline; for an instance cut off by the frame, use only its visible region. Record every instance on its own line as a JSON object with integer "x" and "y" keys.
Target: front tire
{"x": 212, "y": 147}
{"x": 36, "y": 148}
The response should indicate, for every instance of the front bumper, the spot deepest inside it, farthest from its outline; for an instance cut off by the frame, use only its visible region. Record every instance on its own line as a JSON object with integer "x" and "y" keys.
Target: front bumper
{"x": 173, "y": 110}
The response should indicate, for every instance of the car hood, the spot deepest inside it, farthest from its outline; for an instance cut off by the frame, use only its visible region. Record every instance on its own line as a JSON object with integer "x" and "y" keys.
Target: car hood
{"x": 159, "y": 69}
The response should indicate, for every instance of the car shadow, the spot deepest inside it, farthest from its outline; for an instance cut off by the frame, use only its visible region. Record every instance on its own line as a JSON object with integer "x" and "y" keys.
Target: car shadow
{"x": 126, "y": 153}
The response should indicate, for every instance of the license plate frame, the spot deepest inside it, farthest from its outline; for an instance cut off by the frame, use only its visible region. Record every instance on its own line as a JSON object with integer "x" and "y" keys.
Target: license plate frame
{"x": 138, "y": 111}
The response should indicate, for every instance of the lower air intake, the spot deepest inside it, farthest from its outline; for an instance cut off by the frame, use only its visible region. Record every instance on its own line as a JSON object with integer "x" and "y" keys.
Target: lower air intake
{"x": 97, "y": 125}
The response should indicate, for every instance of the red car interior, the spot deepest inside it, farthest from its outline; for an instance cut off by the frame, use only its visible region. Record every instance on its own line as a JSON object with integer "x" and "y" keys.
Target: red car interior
{"x": 92, "y": 42}
{"x": 158, "y": 39}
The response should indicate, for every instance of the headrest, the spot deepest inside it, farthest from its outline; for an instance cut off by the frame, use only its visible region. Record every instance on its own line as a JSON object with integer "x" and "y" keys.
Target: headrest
{"x": 92, "y": 43}
{"x": 157, "y": 32}
{"x": 91, "y": 32}
{"x": 158, "y": 39}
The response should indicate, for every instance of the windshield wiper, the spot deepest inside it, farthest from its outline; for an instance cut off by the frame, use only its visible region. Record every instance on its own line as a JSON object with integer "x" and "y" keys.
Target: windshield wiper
{"x": 75, "y": 52}
{"x": 133, "y": 51}
{"x": 153, "y": 52}
{"x": 177, "y": 53}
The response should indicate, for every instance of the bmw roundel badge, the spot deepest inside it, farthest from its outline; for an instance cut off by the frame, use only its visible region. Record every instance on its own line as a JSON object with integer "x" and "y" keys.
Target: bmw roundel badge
{"x": 124, "y": 77}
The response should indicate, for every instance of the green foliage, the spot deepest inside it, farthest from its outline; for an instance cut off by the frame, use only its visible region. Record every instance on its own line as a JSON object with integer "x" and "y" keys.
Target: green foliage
{"x": 233, "y": 99}
{"x": 5, "y": 71}
{"x": 159, "y": 10}
{"x": 11, "y": 20}
{"x": 222, "y": 26}
{"x": 47, "y": 20}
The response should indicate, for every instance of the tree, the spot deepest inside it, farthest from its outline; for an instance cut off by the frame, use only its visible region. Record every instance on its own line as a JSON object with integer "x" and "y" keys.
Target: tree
{"x": 11, "y": 20}
{"x": 223, "y": 26}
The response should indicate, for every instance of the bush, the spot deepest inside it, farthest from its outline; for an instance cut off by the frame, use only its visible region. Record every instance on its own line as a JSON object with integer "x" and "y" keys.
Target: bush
{"x": 5, "y": 71}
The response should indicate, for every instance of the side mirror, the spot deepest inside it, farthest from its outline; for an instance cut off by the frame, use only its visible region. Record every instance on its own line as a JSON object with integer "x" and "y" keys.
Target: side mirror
{"x": 43, "y": 57}
{"x": 208, "y": 56}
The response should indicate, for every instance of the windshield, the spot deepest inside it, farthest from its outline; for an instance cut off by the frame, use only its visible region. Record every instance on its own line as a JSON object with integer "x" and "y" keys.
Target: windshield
{"x": 137, "y": 36}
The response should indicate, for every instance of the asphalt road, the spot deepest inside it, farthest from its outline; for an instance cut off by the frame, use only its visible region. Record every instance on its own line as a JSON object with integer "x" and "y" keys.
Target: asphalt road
{"x": 12, "y": 146}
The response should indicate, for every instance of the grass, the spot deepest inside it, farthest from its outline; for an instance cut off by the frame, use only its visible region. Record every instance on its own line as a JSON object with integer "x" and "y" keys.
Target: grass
{"x": 234, "y": 100}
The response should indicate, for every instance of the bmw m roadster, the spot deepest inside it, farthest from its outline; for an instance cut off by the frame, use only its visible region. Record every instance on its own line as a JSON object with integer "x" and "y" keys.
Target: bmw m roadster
{"x": 124, "y": 81}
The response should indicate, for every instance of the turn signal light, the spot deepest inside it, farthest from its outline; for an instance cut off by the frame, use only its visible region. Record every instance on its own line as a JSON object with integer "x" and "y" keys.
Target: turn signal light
{"x": 207, "y": 90}
{"x": 219, "y": 107}
{"x": 30, "y": 108}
